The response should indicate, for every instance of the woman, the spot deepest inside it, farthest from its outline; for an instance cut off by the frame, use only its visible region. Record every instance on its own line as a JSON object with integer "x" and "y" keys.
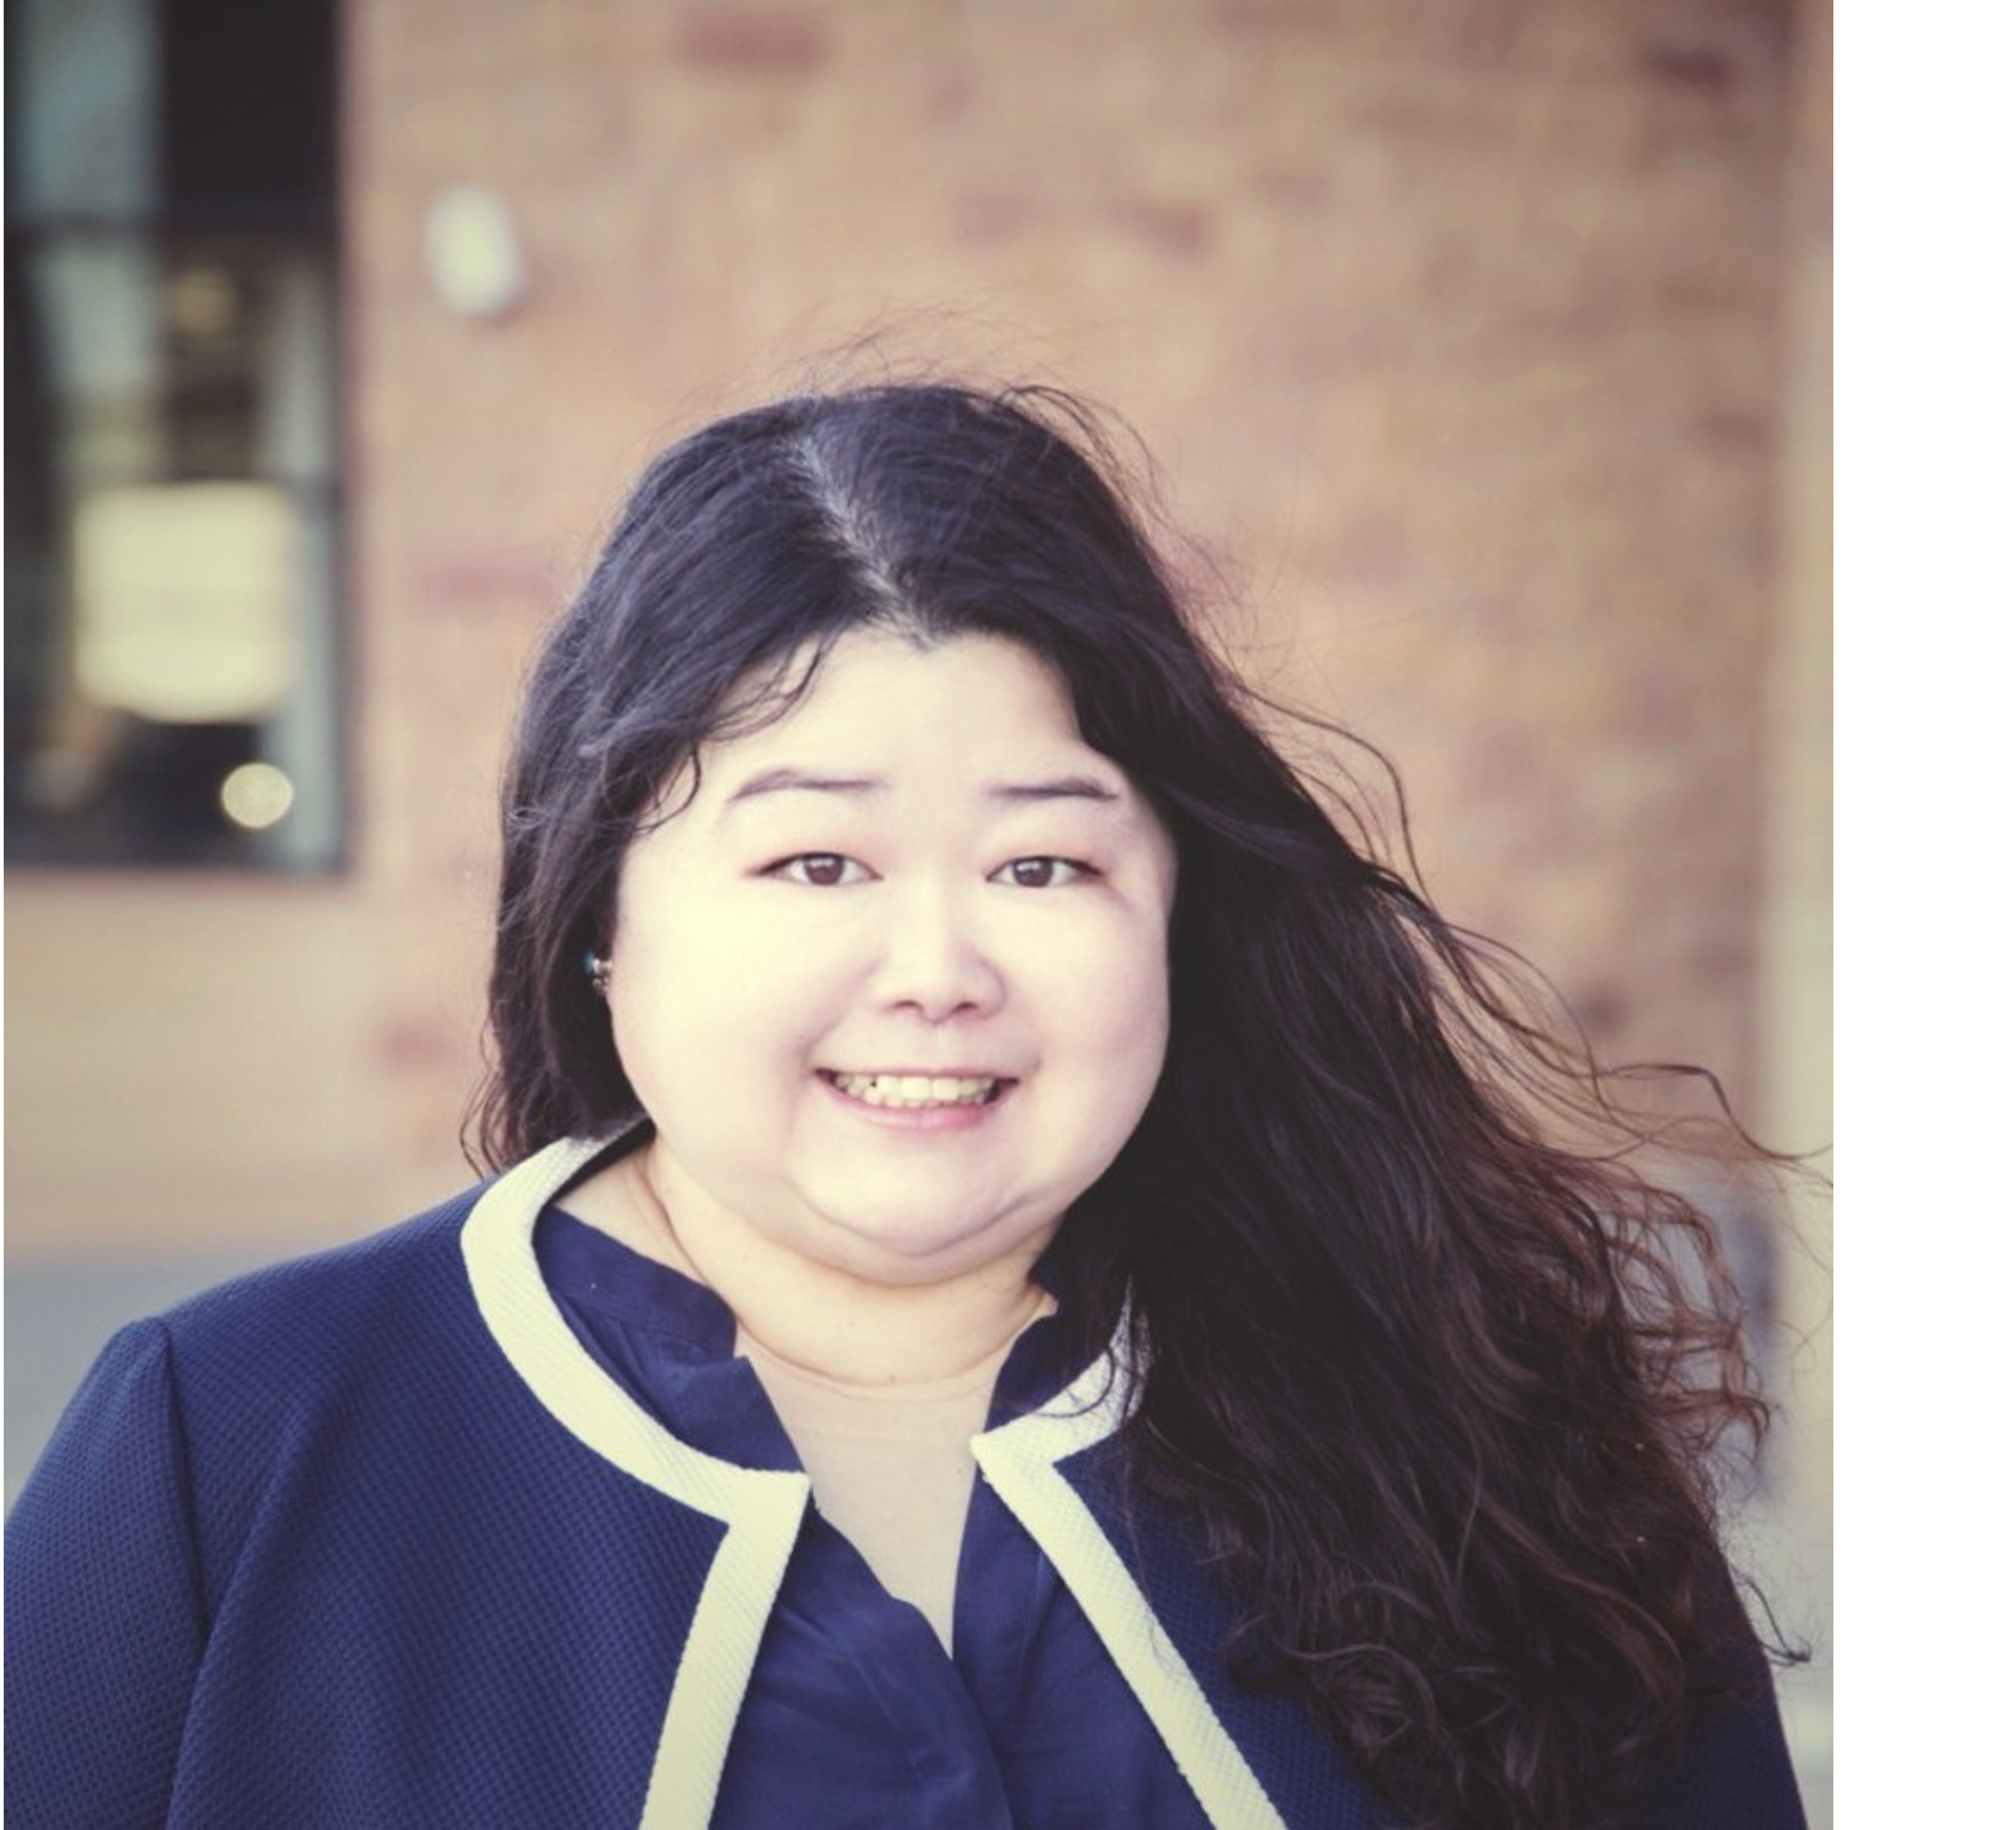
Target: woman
{"x": 935, "y": 1036}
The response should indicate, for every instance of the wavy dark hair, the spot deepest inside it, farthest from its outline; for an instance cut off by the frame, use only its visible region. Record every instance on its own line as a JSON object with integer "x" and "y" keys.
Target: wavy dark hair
{"x": 1439, "y": 1371}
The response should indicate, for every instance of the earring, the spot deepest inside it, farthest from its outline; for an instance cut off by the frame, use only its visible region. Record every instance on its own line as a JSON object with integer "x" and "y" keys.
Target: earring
{"x": 597, "y": 967}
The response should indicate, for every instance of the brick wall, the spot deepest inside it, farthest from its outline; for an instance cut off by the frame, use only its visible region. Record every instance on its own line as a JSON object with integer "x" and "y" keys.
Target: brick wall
{"x": 1454, "y": 324}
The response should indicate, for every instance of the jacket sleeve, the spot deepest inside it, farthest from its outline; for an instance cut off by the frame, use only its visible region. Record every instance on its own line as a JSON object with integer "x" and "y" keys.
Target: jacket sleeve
{"x": 105, "y": 1617}
{"x": 1735, "y": 1770}
{"x": 1736, "y": 1774}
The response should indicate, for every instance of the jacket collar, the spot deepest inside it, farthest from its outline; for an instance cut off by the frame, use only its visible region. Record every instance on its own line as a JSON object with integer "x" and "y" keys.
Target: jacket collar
{"x": 1034, "y": 1462}
{"x": 761, "y": 1509}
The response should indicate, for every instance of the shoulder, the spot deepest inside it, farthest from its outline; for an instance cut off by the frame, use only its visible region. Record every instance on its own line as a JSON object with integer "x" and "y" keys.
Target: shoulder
{"x": 304, "y": 1311}
{"x": 385, "y": 1289}
{"x": 395, "y": 1332}
{"x": 392, "y": 1336}
{"x": 313, "y": 1350}
{"x": 301, "y": 1398}
{"x": 188, "y": 1418}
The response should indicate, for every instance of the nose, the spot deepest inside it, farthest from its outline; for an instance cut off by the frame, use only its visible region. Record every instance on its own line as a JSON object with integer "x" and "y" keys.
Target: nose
{"x": 933, "y": 961}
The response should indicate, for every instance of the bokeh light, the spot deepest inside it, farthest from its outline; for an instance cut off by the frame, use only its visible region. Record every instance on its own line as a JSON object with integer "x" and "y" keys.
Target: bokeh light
{"x": 257, "y": 794}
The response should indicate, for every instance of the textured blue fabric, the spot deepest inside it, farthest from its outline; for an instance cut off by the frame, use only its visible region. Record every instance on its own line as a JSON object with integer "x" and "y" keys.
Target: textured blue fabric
{"x": 306, "y": 1552}
{"x": 1168, "y": 1558}
{"x": 855, "y": 1714}
{"x": 1734, "y": 1773}
{"x": 309, "y": 1551}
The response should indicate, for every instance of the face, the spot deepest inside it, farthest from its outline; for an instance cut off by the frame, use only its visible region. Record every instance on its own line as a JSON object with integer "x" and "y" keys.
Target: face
{"x": 894, "y": 984}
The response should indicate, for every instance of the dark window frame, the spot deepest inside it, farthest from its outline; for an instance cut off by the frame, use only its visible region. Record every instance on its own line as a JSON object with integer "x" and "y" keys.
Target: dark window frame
{"x": 207, "y": 197}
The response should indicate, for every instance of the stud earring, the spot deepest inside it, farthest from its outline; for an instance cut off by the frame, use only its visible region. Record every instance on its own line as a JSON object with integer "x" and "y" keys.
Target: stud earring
{"x": 597, "y": 967}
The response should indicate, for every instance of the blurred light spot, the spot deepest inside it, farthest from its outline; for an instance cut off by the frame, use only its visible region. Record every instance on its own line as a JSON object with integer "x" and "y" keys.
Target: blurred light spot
{"x": 255, "y": 794}
{"x": 473, "y": 251}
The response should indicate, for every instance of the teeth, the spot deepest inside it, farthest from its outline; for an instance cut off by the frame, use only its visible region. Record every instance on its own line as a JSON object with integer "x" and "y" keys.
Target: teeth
{"x": 914, "y": 1089}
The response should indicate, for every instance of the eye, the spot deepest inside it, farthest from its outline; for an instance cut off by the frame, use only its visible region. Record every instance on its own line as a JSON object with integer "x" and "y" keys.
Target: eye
{"x": 823, "y": 871}
{"x": 1041, "y": 873}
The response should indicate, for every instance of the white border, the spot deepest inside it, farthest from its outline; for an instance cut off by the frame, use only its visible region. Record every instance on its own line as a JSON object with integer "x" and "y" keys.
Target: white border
{"x": 1925, "y": 1251}
{"x": 761, "y": 1508}
{"x": 1020, "y": 1460}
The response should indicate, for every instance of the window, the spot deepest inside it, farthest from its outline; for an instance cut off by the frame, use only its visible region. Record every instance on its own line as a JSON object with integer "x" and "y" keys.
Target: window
{"x": 171, "y": 414}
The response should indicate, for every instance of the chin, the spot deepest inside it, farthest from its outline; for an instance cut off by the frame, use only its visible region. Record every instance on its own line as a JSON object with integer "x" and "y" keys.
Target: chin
{"x": 901, "y": 1247}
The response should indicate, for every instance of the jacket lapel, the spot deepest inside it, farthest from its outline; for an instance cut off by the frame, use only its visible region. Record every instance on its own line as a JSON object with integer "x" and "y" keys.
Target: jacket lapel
{"x": 761, "y": 1509}
{"x": 1253, "y": 1759}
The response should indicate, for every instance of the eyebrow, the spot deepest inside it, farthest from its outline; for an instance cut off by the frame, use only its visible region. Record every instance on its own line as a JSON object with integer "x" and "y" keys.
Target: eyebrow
{"x": 1064, "y": 788}
{"x": 777, "y": 781}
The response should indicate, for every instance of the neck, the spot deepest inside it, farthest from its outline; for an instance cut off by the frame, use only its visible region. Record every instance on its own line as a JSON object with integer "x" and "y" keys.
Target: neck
{"x": 829, "y": 1323}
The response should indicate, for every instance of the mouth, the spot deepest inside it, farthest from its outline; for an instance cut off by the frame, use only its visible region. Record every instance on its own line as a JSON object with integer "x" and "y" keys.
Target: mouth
{"x": 917, "y": 1092}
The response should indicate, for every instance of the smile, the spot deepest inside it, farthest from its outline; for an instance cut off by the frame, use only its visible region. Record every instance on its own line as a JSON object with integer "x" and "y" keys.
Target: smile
{"x": 913, "y": 1091}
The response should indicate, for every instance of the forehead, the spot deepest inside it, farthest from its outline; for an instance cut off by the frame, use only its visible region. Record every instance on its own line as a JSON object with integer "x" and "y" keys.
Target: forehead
{"x": 879, "y": 696}
{"x": 935, "y": 735}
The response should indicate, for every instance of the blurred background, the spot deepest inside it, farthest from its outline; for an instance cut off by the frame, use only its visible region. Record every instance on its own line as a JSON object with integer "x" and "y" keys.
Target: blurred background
{"x": 1485, "y": 345}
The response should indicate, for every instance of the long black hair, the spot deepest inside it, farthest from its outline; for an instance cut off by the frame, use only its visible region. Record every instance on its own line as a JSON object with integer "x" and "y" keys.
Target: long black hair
{"x": 1439, "y": 1372}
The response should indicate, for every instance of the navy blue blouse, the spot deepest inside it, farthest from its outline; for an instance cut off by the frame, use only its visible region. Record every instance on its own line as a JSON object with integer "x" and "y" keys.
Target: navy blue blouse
{"x": 855, "y": 1714}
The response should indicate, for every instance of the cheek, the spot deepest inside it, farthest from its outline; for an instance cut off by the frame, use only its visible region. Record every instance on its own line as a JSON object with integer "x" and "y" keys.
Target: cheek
{"x": 706, "y": 1012}
{"x": 1114, "y": 1004}
{"x": 1120, "y": 1062}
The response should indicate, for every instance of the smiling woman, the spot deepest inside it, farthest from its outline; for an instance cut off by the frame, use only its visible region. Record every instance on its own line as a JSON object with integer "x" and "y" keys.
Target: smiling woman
{"x": 1033, "y": 1281}
{"x": 937, "y": 885}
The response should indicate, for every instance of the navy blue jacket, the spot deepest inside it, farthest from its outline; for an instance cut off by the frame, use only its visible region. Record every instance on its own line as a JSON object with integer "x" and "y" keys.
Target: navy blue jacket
{"x": 371, "y": 1540}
